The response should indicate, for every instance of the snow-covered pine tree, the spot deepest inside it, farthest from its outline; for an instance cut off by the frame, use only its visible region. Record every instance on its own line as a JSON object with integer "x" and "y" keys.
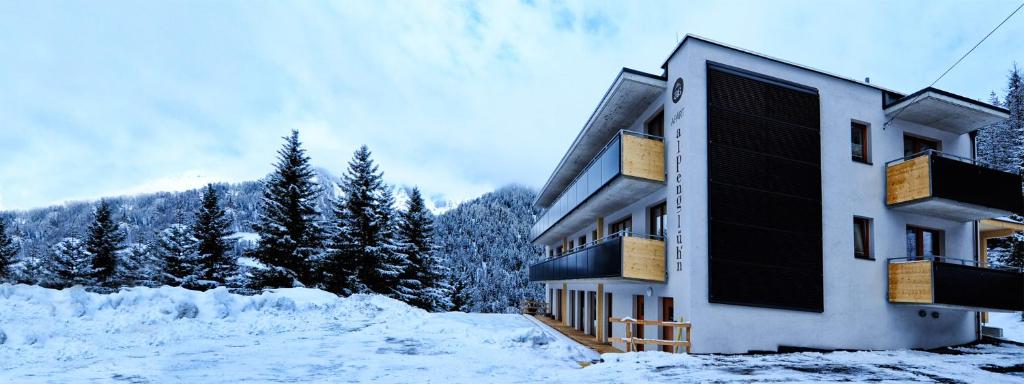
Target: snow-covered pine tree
{"x": 103, "y": 243}
{"x": 139, "y": 265}
{"x": 289, "y": 225}
{"x": 1002, "y": 144}
{"x": 392, "y": 263}
{"x": 425, "y": 273}
{"x": 36, "y": 268}
{"x": 485, "y": 242}
{"x": 177, "y": 248}
{"x": 72, "y": 264}
{"x": 211, "y": 229}
{"x": 363, "y": 256}
{"x": 8, "y": 250}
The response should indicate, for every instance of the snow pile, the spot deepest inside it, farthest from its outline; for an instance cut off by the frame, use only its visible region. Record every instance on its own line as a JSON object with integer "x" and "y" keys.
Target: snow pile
{"x": 172, "y": 334}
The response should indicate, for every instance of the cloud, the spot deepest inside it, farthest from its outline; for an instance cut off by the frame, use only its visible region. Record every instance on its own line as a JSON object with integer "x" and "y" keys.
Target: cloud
{"x": 455, "y": 97}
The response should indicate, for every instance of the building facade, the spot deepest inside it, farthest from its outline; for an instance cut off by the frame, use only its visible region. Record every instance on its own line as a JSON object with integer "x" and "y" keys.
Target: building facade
{"x": 773, "y": 205}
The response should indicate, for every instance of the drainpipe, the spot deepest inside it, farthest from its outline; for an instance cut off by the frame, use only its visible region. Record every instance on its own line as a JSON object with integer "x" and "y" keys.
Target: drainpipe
{"x": 976, "y": 245}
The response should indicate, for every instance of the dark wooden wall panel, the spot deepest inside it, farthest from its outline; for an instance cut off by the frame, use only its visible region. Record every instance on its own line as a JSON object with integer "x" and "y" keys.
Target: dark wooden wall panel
{"x": 764, "y": 192}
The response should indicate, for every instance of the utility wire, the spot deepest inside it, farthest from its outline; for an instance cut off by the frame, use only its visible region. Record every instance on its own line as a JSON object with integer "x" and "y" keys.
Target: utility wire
{"x": 958, "y": 61}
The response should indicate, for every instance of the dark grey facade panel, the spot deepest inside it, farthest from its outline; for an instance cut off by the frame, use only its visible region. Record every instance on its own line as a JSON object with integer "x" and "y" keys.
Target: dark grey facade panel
{"x": 764, "y": 191}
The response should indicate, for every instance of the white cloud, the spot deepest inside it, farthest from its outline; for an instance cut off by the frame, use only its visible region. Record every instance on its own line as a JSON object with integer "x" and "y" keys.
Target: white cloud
{"x": 456, "y": 97}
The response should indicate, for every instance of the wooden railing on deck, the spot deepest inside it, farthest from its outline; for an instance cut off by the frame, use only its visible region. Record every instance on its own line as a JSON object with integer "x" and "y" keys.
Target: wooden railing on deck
{"x": 531, "y": 307}
{"x": 631, "y": 342}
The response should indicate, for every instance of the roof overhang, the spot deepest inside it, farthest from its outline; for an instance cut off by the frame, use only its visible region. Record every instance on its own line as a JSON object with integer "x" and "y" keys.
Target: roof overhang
{"x": 999, "y": 227}
{"x": 628, "y": 97}
{"x": 946, "y": 111}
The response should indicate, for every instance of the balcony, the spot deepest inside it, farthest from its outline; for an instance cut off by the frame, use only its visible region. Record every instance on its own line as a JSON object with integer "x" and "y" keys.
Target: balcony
{"x": 630, "y": 166}
{"x": 621, "y": 256}
{"x": 955, "y": 283}
{"x": 942, "y": 185}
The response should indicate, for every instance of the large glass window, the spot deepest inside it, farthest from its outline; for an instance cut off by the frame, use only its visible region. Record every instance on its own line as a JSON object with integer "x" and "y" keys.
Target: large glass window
{"x": 622, "y": 226}
{"x": 923, "y": 242}
{"x": 913, "y": 145}
{"x": 657, "y": 216}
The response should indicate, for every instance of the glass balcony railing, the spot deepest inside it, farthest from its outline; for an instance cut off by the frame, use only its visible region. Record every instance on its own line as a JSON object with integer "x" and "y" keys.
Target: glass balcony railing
{"x": 638, "y": 149}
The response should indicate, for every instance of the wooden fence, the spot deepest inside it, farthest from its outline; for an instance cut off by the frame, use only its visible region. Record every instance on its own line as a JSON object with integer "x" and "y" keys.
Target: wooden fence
{"x": 531, "y": 307}
{"x": 631, "y": 341}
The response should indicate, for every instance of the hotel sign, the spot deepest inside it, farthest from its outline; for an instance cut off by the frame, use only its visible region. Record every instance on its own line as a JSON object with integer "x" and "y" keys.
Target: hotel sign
{"x": 677, "y": 166}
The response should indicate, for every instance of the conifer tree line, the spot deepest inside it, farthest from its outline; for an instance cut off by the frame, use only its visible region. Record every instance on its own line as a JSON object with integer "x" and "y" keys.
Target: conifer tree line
{"x": 362, "y": 244}
{"x": 1001, "y": 145}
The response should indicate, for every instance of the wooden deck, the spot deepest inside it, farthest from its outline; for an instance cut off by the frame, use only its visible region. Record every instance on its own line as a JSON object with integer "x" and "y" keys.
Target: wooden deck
{"x": 577, "y": 336}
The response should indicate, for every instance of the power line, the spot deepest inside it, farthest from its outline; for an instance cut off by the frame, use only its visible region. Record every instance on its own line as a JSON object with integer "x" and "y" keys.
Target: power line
{"x": 960, "y": 60}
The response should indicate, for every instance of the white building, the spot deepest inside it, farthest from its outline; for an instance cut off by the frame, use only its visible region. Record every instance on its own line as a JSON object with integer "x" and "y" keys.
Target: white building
{"x": 773, "y": 205}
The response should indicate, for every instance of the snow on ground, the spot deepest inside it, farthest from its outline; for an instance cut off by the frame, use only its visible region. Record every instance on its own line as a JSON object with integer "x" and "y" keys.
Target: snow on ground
{"x": 1010, "y": 322}
{"x": 162, "y": 335}
{"x": 166, "y": 334}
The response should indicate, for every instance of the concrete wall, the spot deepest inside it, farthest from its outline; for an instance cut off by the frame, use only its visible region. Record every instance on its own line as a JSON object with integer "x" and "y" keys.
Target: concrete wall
{"x": 857, "y": 314}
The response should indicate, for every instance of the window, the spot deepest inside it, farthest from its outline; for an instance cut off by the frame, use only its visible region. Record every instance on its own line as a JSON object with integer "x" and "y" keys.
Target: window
{"x": 913, "y": 145}
{"x": 571, "y": 246}
{"x": 626, "y": 225}
{"x": 860, "y": 143}
{"x": 923, "y": 243}
{"x": 657, "y": 216}
{"x": 862, "y": 238}
{"x": 558, "y": 250}
{"x": 656, "y": 125}
{"x": 593, "y": 235}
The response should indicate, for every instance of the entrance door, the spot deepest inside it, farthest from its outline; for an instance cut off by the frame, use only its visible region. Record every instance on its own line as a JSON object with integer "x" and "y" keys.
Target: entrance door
{"x": 572, "y": 307}
{"x": 580, "y": 320}
{"x": 558, "y": 305}
{"x": 667, "y": 310}
{"x": 592, "y": 319}
{"x": 608, "y": 314}
{"x": 638, "y": 314}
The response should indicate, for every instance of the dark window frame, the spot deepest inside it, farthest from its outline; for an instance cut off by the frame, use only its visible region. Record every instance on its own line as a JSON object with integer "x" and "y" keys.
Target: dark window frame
{"x": 867, "y": 227}
{"x": 865, "y": 138}
{"x": 621, "y": 225}
{"x": 659, "y": 118}
{"x": 917, "y": 140}
{"x": 937, "y": 234}
{"x": 653, "y": 218}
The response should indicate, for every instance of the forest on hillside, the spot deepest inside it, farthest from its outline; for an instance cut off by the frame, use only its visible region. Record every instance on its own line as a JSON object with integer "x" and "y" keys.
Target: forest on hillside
{"x": 385, "y": 243}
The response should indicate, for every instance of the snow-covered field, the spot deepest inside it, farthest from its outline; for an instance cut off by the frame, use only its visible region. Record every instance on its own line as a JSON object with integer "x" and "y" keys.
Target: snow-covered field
{"x": 172, "y": 335}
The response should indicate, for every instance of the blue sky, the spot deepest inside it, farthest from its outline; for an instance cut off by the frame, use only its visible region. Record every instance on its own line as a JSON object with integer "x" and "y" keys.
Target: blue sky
{"x": 109, "y": 98}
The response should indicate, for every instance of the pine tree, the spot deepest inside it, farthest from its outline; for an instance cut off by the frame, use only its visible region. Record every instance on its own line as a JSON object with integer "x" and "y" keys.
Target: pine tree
{"x": 72, "y": 263}
{"x": 138, "y": 264}
{"x": 390, "y": 262}
{"x": 211, "y": 229}
{"x": 104, "y": 242}
{"x": 289, "y": 227}
{"x": 363, "y": 256}
{"x": 8, "y": 250}
{"x": 178, "y": 249}
{"x": 425, "y": 273}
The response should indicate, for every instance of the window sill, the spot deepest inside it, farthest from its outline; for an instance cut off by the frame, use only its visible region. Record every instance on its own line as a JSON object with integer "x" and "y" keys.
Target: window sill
{"x": 865, "y": 162}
